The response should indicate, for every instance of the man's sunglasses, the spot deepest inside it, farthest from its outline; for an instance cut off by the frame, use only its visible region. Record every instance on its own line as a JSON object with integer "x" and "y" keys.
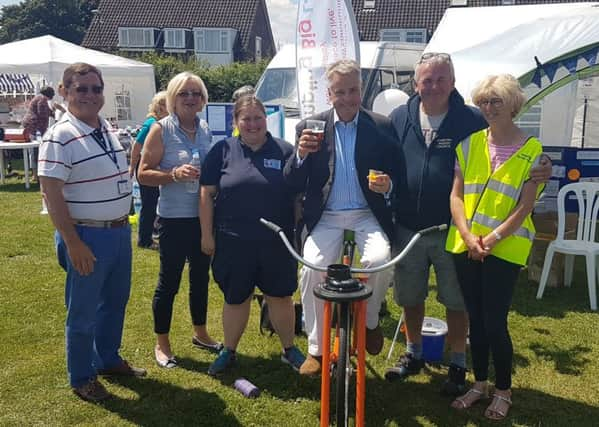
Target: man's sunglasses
{"x": 97, "y": 90}
{"x": 431, "y": 55}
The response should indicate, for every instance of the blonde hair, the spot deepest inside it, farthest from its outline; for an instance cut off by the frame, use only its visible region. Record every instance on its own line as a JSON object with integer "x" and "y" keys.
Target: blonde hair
{"x": 343, "y": 67}
{"x": 504, "y": 86}
{"x": 175, "y": 85}
{"x": 154, "y": 106}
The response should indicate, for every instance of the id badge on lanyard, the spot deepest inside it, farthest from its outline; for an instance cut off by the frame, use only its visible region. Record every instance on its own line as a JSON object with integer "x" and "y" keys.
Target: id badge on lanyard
{"x": 123, "y": 185}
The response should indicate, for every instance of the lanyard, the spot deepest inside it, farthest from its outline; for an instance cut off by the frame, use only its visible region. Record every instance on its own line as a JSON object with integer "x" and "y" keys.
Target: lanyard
{"x": 99, "y": 138}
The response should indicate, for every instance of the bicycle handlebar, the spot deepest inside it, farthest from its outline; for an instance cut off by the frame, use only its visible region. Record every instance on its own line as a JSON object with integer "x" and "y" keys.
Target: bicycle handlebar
{"x": 274, "y": 227}
{"x": 432, "y": 229}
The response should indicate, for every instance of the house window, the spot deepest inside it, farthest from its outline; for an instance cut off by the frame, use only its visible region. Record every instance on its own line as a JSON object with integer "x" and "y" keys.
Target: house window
{"x": 122, "y": 102}
{"x": 369, "y": 4}
{"x": 530, "y": 121}
{"x": 507, "y": 2}
{"x": 409, "y": 35}
{"x": 258, "y": 48}
{"x": 174, "y": 38}
{"x": 136, "y": 37}
{"x": 212, "y": 40}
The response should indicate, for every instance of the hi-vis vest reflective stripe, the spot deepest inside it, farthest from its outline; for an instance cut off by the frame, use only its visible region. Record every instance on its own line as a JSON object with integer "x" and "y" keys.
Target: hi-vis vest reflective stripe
{"x": 490, "y": 198}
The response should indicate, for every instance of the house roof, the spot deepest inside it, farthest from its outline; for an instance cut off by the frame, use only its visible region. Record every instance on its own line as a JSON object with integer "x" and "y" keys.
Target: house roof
{"x": 416, "y": 13}
{"x": 103, "y": 31}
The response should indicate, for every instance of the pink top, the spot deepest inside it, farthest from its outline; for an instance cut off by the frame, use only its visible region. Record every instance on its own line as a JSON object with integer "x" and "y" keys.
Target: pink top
{"x": 498, "y": 154}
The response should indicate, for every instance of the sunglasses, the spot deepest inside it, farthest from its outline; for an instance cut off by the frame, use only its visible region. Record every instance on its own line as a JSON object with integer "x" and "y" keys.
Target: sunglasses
{"x": 189, "y": 93}
{"x": 97, "y": 90}
{"x": 432, "y": 55}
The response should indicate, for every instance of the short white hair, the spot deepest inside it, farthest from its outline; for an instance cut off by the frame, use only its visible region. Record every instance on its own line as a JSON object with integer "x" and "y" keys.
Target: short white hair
{"x": 503, "y": 86}
{"x": 344, "y": 67}
{"x": 432, "y": 58}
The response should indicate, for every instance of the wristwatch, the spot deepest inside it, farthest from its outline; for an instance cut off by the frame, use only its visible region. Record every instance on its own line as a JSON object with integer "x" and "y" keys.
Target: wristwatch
{"x": 497, "y": 235}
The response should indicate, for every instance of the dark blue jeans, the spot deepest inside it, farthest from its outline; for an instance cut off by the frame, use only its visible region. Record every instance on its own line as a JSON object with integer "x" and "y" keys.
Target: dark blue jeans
{"x": 180, "y": 241}
{"x": 96, "y": 303}
{"x": 147, "y": 214}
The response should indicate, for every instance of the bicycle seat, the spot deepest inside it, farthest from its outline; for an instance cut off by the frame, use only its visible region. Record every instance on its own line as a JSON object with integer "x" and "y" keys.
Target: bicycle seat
{"x": 339, "y": 286}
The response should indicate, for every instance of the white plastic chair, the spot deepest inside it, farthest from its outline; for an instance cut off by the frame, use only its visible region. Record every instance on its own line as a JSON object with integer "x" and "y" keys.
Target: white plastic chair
{"x": 587, "y": 196}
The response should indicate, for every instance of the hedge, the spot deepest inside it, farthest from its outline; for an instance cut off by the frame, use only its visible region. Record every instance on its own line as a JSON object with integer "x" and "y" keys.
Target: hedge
{"x": 221, "y": 81}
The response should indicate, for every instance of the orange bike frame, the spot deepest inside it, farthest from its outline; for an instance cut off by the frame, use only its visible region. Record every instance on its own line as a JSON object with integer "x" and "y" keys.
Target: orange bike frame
{"x": 359, "y": 309}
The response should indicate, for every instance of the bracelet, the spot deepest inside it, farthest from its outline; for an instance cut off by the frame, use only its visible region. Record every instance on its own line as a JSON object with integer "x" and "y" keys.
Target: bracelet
{"x": 174, "y": 174}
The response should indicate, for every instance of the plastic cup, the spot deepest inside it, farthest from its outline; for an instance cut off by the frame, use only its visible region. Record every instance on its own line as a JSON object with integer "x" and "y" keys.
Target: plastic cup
{"x": 372, "y": 174}
{"x": 316, "y": 127}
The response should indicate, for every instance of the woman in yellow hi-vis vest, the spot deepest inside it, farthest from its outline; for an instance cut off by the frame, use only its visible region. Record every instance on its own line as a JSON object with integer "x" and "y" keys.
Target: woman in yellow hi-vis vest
{"x": 491, "y": 202}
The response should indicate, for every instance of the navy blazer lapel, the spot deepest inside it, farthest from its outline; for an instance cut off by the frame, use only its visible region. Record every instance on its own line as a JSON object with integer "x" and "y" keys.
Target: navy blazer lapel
{"x": 362, "y": 136}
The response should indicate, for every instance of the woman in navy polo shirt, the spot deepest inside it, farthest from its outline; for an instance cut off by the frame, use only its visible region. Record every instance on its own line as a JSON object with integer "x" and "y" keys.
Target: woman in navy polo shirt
{"x": 242, "y": 181}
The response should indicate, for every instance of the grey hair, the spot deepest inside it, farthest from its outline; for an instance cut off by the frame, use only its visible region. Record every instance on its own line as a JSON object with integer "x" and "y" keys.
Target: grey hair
{"x": 435, "y": 60}
{"x": 243, "y": 91}
{"x": 343, "y": 67}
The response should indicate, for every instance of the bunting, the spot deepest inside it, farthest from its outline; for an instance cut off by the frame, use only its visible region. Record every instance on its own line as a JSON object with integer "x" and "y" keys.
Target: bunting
{"x": 570, "y": 63}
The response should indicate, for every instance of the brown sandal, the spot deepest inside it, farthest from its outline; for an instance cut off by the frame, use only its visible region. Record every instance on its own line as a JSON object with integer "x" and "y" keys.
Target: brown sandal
{"x": 463, "y": 402}
{"x": 493, "y": 412}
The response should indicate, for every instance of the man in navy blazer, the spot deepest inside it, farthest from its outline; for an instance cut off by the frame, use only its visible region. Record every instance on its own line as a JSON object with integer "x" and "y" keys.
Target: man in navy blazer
{"x": 337, "y": 195}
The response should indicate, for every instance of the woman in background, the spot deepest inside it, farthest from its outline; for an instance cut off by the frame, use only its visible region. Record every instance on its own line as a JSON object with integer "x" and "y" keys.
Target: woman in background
{"x": 149, "y": 194}
{"x": 37, "y": 117}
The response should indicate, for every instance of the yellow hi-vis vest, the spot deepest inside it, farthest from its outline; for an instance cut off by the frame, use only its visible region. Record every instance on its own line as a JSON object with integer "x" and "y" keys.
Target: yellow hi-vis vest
{"x": 489, "y": 198}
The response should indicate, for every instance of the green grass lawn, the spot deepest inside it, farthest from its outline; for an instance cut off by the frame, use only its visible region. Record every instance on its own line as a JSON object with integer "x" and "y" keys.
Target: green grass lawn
{"x": 556, "y": 365}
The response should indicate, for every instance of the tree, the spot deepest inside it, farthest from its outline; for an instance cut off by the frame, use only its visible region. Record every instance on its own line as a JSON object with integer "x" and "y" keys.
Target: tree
{"x": 65, "y": 19}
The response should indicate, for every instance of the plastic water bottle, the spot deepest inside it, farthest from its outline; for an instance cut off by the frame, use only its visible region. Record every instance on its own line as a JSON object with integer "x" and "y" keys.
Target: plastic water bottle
{"x": 246, "y": 388}
{"x": 194, "y": 185}
{"x": 38, "y": 136}
{"x": 303, "y": 322}
{"x": 136, "y": 193}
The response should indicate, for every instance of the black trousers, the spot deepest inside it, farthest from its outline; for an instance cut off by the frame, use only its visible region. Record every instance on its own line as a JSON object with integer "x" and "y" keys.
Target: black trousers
{"x": 180, "y": 241}
{"x": 488, "y": 288}
{"x": 147, "y": 214}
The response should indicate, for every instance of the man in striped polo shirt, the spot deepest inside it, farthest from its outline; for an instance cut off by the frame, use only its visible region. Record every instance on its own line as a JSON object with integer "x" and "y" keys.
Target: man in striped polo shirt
{"x": 85, "y": 182}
